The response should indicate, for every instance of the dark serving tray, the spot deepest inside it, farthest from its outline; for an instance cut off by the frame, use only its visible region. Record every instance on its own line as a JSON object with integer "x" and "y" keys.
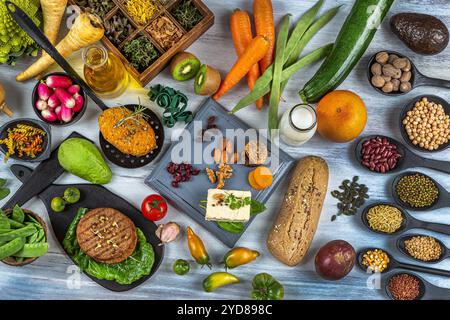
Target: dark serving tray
{"x": 95, "y": 196}
{"x": 188, "y": 195}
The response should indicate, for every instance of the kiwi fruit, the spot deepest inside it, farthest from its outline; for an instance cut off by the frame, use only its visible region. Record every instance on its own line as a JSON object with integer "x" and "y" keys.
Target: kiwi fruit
{"x": 207, "y": 81}
{"x": 184, "y": 66}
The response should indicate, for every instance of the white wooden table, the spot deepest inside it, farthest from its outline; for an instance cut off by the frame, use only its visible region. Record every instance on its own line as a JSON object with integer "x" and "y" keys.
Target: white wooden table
{"x": 49, "y": 276}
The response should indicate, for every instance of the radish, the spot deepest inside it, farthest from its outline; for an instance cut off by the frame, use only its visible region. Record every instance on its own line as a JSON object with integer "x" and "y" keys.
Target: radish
{"x": 73, "y": 89}
{"x": 66, "y": 114}
{"x": 66, "y": 98}
{"x": 41, "y": 105}
{"x": 53, "y": 101}
{"x": 49, "y": 115}
{"x": 43, "y": 91}
{"x": 58, "y": 82}
{"x": 58, "y": 113}
{"x": 79, "y": 102}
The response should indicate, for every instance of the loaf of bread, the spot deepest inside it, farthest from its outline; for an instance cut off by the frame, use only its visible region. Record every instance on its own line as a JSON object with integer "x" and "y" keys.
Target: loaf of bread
{"x": 296, "y": 224}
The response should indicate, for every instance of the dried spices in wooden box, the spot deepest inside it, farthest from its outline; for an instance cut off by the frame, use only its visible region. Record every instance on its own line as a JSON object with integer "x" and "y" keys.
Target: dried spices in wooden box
{"x": 146, "y": 34}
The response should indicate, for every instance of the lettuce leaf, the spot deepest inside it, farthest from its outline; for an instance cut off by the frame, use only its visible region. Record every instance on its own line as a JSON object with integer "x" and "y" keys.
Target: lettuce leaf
{"x": 139, "y": 264}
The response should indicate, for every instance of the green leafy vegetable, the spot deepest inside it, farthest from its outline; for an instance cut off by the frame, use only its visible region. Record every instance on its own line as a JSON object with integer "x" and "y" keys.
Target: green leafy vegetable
{"x": 139, "y": 264}
{"x": 256, "y": 208}
{"x": 140, "y": 52}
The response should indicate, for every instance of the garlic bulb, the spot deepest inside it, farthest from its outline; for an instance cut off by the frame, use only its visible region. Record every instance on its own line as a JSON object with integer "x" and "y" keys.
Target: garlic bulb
{"x": 168, "y": 232}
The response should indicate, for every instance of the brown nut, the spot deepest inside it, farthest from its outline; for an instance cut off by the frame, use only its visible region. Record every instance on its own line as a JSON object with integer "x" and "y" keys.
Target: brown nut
{"x": 405, "y": 87}
{"x": 400, "y": 63}
{"x": 408, "y": 66}
{"x": 392, "y": 57}
{"x": 376, "y": 69}
{"x": 388, "y": 87}
{"x": 382, "y": 57}
{"x": 390, "y": 71}
{"x": 406, "y": 76}
{"x": 386, "y": 78}
{"x": 217, "y": 155}
{"x": 396, "y": 84}
{"x": 378, "y": 81}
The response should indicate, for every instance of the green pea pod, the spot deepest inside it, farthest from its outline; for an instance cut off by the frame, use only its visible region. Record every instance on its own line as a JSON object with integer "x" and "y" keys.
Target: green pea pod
{"x": 2, "y": 230}
{"x": 262, "y": 85}
{"x": 15, "y": 225}
{"x": 18, "y": 215}
{"x": 18, "y": 233}
{"x": 231, "y": 227}
{"x": 265, "y": 287}
{"x": 217, "y": 280}
{"x": 4, "y": 223}
{"x": 277, "y": 72}
{"x": 32, "y": 250}
{"x": 4, "y": 192}
{"x": 11, "y": 248}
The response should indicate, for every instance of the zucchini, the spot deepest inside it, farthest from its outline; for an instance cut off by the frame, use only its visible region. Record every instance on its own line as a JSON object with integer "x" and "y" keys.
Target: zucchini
{"x": 355, "y": 36}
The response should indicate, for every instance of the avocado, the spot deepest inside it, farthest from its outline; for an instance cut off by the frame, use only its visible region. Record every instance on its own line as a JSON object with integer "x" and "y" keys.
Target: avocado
{"x": 422, "y": 33}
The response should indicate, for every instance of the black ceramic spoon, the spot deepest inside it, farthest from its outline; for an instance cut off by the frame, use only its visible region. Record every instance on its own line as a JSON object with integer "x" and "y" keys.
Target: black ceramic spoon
{"x": 395, "y": 264}
{"x": 417, "y": 78}
{"x": 443, "y": 200}
{"x": 427, "y": 291}
{"x": 445, "y": 252}
{"x": 408, "y": 158}
{"x": 408, "y": 223}
{"x": 410, "y": 106}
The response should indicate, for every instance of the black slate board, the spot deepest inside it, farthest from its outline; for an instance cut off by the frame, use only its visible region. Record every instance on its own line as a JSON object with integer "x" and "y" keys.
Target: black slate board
{"x": 187, "y": 197}
{"x": 95, "y": 196}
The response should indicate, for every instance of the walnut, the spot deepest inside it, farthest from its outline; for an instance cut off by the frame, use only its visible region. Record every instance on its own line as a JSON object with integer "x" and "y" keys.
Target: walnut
{"x": 211, "y": 175}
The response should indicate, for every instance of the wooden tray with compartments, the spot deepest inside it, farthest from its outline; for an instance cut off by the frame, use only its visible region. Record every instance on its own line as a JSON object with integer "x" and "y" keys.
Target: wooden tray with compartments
{"x": 165, "y": 8}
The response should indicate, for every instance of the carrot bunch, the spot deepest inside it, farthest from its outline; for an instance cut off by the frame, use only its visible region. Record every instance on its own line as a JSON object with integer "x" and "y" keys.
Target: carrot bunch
{"x": 255, "y": 54}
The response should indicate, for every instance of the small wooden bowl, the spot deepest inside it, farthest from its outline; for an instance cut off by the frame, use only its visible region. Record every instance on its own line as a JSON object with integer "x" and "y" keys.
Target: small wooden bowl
{"x": 11, "y": 261}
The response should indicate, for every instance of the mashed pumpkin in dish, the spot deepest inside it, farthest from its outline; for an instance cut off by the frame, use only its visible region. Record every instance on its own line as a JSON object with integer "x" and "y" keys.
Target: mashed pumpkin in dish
{"x": 128, "y": 131}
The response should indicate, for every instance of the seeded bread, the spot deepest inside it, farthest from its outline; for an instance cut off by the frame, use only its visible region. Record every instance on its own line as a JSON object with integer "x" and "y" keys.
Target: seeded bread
{"x": 296, "y": 224}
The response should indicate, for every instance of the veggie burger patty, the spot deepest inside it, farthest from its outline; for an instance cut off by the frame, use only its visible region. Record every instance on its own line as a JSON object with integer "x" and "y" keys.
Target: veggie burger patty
{"x": 107, "y": 235}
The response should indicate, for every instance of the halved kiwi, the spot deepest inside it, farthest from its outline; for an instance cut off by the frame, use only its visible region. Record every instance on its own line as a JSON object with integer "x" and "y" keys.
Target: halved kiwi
{"x": 184, "y": 66}
{"x": 207, "y": 81}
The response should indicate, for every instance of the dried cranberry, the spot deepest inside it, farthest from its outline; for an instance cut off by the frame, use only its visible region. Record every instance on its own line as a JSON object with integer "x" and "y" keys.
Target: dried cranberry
{"x": 174, "y": 184}
{"x": 196, "y": 172}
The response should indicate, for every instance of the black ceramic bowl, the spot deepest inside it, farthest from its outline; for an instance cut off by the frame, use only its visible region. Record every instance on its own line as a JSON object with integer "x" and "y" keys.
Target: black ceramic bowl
{"x": 76, "y": 117}
{"x": 45, "y": 154}
{"x": 409, "y": 107}
{"x": 422, "y": 286}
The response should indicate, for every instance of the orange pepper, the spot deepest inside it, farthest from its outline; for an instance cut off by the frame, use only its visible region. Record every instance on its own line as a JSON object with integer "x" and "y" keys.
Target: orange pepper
{"x": 197, "y": 248}
{"x": 239, "y": 256}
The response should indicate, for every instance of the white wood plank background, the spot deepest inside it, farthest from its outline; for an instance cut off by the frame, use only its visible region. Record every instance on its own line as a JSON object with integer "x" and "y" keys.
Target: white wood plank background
{"x": 47, "y": 278}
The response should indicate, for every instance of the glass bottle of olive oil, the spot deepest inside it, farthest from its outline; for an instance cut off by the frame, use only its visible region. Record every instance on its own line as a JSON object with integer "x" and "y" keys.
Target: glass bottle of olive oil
{"x": 104, "y": 72}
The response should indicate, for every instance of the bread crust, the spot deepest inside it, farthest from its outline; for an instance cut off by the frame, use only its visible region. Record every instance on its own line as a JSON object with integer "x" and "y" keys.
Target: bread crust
{"x": 296, "y": 223}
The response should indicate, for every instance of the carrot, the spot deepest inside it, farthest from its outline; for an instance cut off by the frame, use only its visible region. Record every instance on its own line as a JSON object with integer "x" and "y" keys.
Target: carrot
{"x": 86, "y": 30}
{"x": 241, "y": 30}
{"x": 254, "y": 52}
{"x": 263, "y": 177}
{"x": 53, "y": 11}
{"x": 252, "y": 181}
{"x": 265, "y": 26}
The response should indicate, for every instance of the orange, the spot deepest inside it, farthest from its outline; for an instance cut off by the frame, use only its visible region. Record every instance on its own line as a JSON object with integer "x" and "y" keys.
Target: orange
{"x": 341, "y": 116}
{"x": 252, "y": 181}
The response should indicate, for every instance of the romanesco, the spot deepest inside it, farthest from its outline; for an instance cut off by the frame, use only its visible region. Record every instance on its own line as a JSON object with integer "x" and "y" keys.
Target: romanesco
{"x": 14, "y": 42}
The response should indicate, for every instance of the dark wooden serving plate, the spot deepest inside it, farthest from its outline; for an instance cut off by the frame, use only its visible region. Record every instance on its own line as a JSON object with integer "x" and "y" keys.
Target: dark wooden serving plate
{"x": 95, "y": 196}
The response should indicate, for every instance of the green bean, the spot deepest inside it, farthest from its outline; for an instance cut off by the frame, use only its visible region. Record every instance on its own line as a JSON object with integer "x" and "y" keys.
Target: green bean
{"x": 15, "y": 225}
{"x": 18, "y": 215}
{"x": 277, "y": 72}
{"x": 32, "y": 250}
{"x": 5, "y": 230}
{"x": 11, "y": 248}
{"x": 23, "y": 232}
{"x": 307, "y": 36}
{"x": 263, "y": 87}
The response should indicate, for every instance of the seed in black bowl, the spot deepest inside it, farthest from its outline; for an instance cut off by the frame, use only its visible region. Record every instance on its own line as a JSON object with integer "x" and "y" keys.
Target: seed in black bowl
{"x": 417, "y": 190}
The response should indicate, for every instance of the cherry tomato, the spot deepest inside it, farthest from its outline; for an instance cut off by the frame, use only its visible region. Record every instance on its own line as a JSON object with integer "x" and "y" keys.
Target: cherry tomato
{"x": 154, "y": 207}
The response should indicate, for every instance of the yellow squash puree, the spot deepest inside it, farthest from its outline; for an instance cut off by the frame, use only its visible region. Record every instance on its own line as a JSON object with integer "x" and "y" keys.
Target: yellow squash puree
{"x": 134, "y": 136}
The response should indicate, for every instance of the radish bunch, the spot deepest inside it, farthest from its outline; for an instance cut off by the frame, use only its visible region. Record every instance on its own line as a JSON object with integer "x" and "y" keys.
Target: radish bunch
{"x": 59, "y": 99}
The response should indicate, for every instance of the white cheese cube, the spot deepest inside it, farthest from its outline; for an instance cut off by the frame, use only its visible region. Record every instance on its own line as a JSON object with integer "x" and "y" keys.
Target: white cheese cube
{"x": 216, "y": 210}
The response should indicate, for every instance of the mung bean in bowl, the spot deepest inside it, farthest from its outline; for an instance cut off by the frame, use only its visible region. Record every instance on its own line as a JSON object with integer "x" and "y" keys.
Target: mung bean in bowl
{"x": 425, "y": 123}
{"x": 415, "y": 190}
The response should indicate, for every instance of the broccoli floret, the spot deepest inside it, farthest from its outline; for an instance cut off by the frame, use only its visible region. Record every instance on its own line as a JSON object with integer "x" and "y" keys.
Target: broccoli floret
{"x": 14, "y": 42}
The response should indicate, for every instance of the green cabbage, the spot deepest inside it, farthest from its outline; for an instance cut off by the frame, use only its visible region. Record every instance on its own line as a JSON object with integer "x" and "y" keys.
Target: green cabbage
{"x": 14, "y": 42}
{"x": 139, "y": 264}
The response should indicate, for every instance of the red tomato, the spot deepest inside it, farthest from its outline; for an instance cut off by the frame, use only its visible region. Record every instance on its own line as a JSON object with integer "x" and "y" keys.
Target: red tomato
{"x": 154, "y": 207}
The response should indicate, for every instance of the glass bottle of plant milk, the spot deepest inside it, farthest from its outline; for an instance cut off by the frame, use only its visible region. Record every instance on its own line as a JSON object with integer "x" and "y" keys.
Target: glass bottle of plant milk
{"x": 298, "y": 124}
